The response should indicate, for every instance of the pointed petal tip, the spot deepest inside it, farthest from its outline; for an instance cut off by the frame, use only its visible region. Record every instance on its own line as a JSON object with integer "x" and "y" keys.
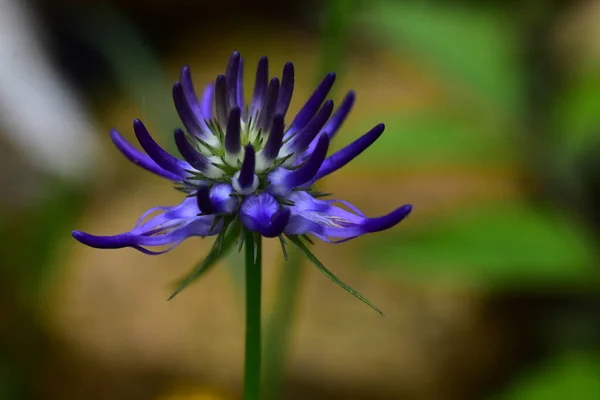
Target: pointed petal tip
{"x": 98, "y": 242}
{"x": 249, "y": 148}
{"x": 389, "y": 220}
{"x": 185, "y": 71}
{"x": 115, "y": 135}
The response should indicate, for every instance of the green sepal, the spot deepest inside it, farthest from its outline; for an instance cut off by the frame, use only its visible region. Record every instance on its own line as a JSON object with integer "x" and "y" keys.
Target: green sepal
{"x": 222, "y": 244}
{"x": 283, "y": 244}
{"x": 298, "y": 242}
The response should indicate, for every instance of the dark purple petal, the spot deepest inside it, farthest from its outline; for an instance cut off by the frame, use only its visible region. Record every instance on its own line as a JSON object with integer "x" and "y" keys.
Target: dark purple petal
{"x": 193, "y": 122}
{"x": 156, "y": 153}
{"x": 387, "y": 221}
{"x": 203, "y": 200}
{"x": 348, "y": 153}
{"x": 221, "y": 102}
{"x": 260, "y": 86}
{"x": 307, "y": 171}
{"x": 207, "y": 100}
{"x": 139, "y": 158}
{"x": 273, "y": 145}
{"x": 246, "y": 176}
{"x": 190, "y": 93}
{"x": 231, "y": 74}
{"x": 302, "y": 139}
{"x": 233, "y": 139}
{"x": 189, "y": 153}
{"x": 240, "y": 89}
{"x": 287, "y": 89}
{"x": 282, "y": 181}
{"x": 268, "y": 110}
{"x": 340, "y": 115}
{"x": 263, "y": 214}
{"x": 312, "y": 104}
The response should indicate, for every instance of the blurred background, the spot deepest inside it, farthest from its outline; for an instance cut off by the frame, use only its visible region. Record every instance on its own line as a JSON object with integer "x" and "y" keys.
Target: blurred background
{"x": 491, "y": 288}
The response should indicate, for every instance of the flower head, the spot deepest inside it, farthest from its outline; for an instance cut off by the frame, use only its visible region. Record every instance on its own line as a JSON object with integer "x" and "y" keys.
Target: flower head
{"x": 244, "y": 163}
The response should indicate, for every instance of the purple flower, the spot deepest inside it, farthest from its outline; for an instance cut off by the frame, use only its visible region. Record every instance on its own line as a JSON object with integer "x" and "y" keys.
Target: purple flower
{"x": 243, "y": 164}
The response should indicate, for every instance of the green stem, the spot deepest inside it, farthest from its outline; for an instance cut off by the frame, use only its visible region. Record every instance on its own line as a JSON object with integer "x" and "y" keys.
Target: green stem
{"x": 253, "y": 302}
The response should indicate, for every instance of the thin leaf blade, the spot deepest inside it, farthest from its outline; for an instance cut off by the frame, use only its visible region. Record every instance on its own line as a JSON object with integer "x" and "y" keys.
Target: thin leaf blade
{"x": 296, "y": 241}
{"x": 220, "y": 247}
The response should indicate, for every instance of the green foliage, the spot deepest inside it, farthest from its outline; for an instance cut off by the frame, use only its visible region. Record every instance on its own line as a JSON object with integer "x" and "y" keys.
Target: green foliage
{"x": 475, "y": 47}
{"x": 503, "y": 244}
{"x": 578, "y": 111}
{"x": 572, "y": 376}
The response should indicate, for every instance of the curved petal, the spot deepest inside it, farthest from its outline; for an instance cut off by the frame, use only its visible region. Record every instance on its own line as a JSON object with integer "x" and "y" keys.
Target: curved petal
{"x": 240, "y": 88}
{"x": 281, "y": 180}
{"x": 342, "y": 157}
{"x": 287, "y": 89}
{"x": 261, "y": 81}
{"x": 262, "y": 213}
{"x": 139, "y": 158}
{"x": 208, "y": 96}
{"x": 171, "y": 227}
{"x": 312, "y": 104}
{"x": 157, "y": 153}
{"x": 337, "y": 119}
{"x": 324, "y": 220}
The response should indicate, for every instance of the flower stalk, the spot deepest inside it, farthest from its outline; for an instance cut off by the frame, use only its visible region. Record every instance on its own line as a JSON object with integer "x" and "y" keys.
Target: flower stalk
{"x": 252, "y": 362}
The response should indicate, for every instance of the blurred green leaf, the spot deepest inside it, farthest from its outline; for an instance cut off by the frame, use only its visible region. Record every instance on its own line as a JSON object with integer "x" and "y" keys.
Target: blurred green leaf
{"x": 498, "y": 245}
{"x": 434, "y": 136}
{"x": 578, "y": 111}
{"x": 573, "y": 376}
{"x": 474, "y": 46}
{"x": 31, "y": 241}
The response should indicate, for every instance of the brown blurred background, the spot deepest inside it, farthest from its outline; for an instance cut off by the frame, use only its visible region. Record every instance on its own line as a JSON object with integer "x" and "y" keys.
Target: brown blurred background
{"x": 490, "y": 288}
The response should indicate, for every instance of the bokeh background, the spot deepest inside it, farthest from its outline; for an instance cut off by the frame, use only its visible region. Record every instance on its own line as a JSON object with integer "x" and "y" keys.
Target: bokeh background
{"x": 491, "y": 288}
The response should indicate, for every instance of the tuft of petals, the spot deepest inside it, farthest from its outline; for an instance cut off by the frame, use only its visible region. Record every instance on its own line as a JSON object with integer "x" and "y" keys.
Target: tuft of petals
{"x": 324, "y": 220}
{"x": 171, "y": 227}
